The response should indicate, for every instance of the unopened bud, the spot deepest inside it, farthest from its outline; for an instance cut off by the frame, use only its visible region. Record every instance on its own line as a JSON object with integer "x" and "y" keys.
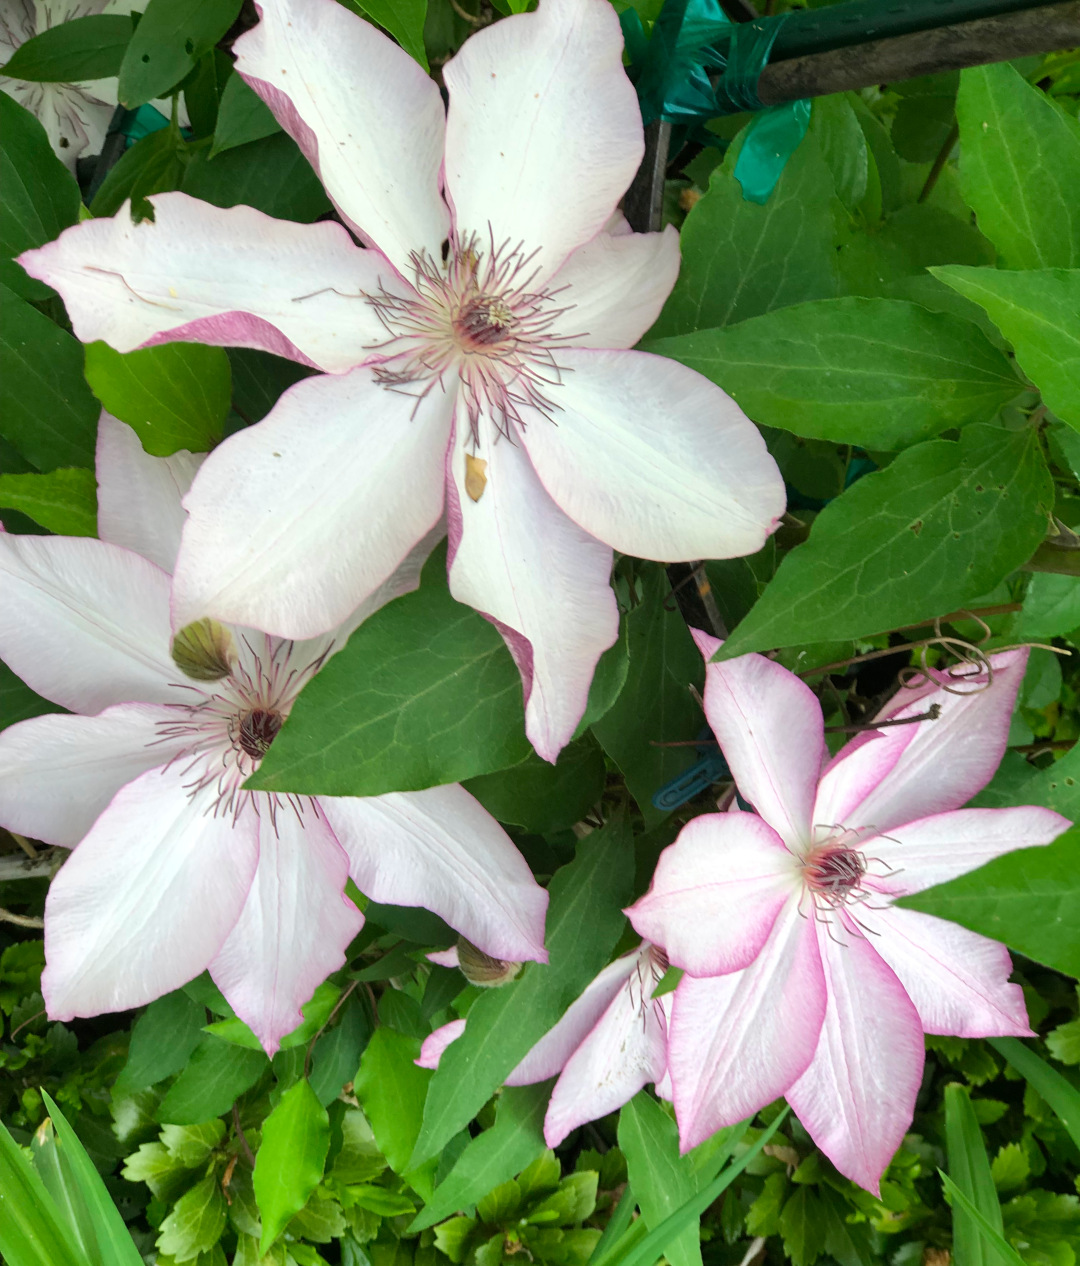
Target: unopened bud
{"x": 203, "y": 650}
{"x": 481, "y": 969}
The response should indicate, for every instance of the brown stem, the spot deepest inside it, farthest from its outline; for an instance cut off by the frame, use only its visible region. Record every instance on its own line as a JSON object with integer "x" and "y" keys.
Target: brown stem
{"x": 931, "y": 714}
{"x": 337, "y": 1007}
{"x": 1047, "y": 745}
{"x": 242, "y": 1136}
{"x": 20, "y": 920}
{"x": 939, "y": 162}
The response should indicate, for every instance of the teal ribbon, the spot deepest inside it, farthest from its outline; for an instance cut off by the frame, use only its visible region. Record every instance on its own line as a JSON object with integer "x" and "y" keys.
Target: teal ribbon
{"x": 671, "y": 68}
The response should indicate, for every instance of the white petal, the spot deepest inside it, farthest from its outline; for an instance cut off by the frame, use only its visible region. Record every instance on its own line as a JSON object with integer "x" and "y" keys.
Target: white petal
{"x": 84, "y": 623}
{"x": 58, "y": 773}
{"x": 537, "y": 576}
{"x": 139, "y": 495}
{"x": 366, "y": 116}
{"x": 146, "y": 900}
{"x": 441, "y": 850}
{"x": 653, "y": 459}
{"x": 616, "y": 285}
{"x": 543, "y": 134}
{"x": 857, "y": 1097}
{"x": 296, "y": 521}
{"x": 295, "y": 924}
{"x": 234, "y": 277}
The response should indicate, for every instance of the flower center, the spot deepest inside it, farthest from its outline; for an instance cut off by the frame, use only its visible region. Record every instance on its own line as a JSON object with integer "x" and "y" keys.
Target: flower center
{"x": 834, "y": 874}
{"x": 481, "y": 317}
{"x": 257, "y": 730}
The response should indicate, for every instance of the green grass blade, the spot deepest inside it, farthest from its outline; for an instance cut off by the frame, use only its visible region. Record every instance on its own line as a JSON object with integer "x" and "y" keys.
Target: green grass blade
{"x": 970, "y": 1170}
{"x": 99, "y": 1224}
{"x": 617, "y": 1224}
{"x": 31, "y": 1232}
{"x": 1061, "y": 1095}
{"x": 993, "y": 1239}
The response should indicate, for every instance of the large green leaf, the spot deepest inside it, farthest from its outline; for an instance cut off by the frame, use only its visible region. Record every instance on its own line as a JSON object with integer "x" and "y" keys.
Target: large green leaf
{"x": 1030, "y": 899}
{"x": 969, "y": 1168}
{"x": 391, "y": 1089}
{"x": 1039, "y": 313}
{"x": 270, "y": 174}
{"x": 162, "y": 1039}
{"x": 741, "y": 259}
{"x": 32, "y": 1230}
{"x": 195, "y": 1222}
{"x": 73, "y": 51}
{"x": 40, "y": 195}
{"x": 880, "y": 373}
{"x": 174, "y": 397}
{"x": 64, "y": 501}
{"x": 1020, "y": 168}
{"x": 539, "y": 796}
{"x": 17, "y": 701}
{"x": 404, "y": 19}
{"x": 514, "y": 1141}
{"x": 213, "y": 1079}
{"x": 292, "y": 1155}
{"x": 169, "y": 40}
{"x": 655, "y": 706}
{"x": 424, "y": 693}
{"x": 154, "y": 164}
{"x": 243, "y": 116}
{"x": 944, "y": 523}
{"x": 583, "y": 923}
{"x": 47, "y": 412}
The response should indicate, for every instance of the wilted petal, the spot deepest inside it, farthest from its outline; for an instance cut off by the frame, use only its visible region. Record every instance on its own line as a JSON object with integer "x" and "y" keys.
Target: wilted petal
{"x": 550, "y": 1054}
{"x": 944, "y": 762}
{"x": 738, "y": 1041}
{"x": 857, "y": 1097}
{"x": 57, "y": 773}
{"x": 435, "y": 1043}
{"x": 84, "y": 623}
{"x": 716, "y": 893}
{"x": 139, "y": 495}
{"x": 543, "y": 582}
{"x": 769, "y": 727}
{"x": 937, "y": 849}
{"x": 442, "y": 850}
{"x": 653, "y": 459}
{"x": 146, "y": 900}
{"x": 233, "y": 277}
{"x": 625, "y": 1050}
{"x": 367, "y": 117}
{"x": 295, "y": 924}
{"x": 294, "y": 522}
{"x": 616, "y": 285}
{"x": 958, "y": 980}
{"x": 543, "y": 134}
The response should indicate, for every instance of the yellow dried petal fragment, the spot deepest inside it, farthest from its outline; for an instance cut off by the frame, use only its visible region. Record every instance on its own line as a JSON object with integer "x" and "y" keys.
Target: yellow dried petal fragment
{"x": 203, "y": 650}
{"x": 475, "y": 478}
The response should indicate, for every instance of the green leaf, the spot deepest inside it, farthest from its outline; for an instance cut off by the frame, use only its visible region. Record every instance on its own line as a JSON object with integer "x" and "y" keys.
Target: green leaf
{"x": 843, "y": 146}
{"x": 1062, "y": 1096}
{"x": 259, "y": 378}
{"x": 1039, "y": 313}
{"x": 537, "y": 795}
{"x": 73, "y": 51}
{"x": 991, "y": 1240}
{"x": 271, "y": 175}
{"x": 424, "y": 692}
{"x": 191, "y": 1145}
{"x": 514, "y": 1141}
{"x": 243, "y": 116}
{"x": 169, "y": 40}
{"x": 64, "y": 501}
{"x": 802, "y": 1226}
{"x": 47, "y": 411}
{"x": 663, "y": 1179}
{"x": 17, "y": 701}
{"x": 1020, "y": 168}
{"x": 1010, "y": 1167}
{"x": 404, "y": 19}
{"x": 175, "y": 396}
{"x": 655, "y": 706}
{"x": 1063, "y": 1042}
{"x": 1051, "y": 608}
{"x": 291, "y": 1159}
{"x": 163, "y": 1038}
{"x": 391, "y": 1090}
{"x": 214, "y": 1078}
{"x": 154, "y": 164}
{"x": 584, "y": 922}
{"x": 741, "y": 259}
{"x": 203, "y": 90}
{"x": 970, "y": 1170}
{"x": 195, "y": 1223}
{"x": 943, "y": 523}
{"x": 99, "y": 1226}
{"x": 880, "y": 373}
{"x": 316, "y": 1012}
{"x": 1030, "y": 899}
{"x": 607, "y": 682}
{"x": 32, "y": 1231}
{"x": 40, "y": 195}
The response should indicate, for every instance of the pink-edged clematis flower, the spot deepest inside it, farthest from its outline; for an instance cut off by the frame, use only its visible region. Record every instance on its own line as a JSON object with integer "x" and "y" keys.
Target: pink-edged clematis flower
{"x": 802, "y": 978}
{"x": 175, "y": 866}
{"x": 475, "y": 357}
{"x": 610, "y": 1043}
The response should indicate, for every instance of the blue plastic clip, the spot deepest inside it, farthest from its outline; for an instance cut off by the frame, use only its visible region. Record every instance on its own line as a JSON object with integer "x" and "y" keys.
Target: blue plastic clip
{"x": 710, "y": 767}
